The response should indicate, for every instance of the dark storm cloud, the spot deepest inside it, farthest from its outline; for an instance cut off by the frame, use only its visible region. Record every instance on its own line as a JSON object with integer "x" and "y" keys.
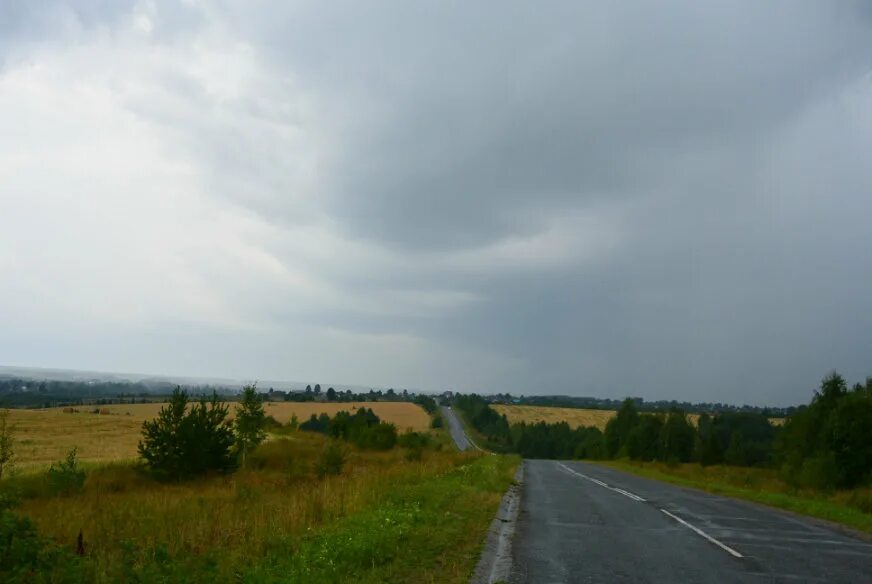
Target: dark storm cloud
{"x": 452, "y": 128}
{"x": 667, "y": 200}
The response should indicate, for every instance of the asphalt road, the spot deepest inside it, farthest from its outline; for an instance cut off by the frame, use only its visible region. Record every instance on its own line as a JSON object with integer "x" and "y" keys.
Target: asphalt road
{"x": 585, "y": 523}
{"x": 456, "y": 428}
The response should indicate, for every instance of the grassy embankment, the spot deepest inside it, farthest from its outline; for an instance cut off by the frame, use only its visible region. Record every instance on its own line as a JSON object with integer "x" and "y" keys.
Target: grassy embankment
{"x": 386, "y": 518}
{"x": 850, "y": 508}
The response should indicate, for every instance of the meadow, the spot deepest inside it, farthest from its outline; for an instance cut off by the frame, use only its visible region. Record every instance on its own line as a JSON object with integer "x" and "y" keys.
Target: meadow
{"x": 44, "y": 436}
{"x": 389, "y": 516}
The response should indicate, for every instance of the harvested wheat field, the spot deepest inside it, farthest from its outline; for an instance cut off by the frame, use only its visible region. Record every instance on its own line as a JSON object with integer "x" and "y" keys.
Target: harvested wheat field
{"x": 575, "y": 417}
{"x": 45, "y": 436}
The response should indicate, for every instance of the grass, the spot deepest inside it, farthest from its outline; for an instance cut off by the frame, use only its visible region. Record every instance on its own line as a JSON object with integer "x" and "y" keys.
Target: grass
{"x": 44, "y": 436}
{"x": 575, "y": 417}
{"x": 384, "y": 519}
{"x": 850, "y": 508}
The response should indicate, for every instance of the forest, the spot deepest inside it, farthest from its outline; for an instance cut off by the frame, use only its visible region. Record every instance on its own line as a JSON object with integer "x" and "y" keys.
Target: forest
{"x": 824, "y": 444}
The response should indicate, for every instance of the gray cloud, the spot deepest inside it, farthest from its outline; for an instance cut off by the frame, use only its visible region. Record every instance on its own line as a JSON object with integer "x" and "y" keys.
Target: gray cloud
{"x": 666, "y": 201}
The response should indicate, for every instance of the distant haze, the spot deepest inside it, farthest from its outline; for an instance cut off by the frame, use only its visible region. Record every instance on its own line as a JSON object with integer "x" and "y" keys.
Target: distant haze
{"x": 668, "y": 200}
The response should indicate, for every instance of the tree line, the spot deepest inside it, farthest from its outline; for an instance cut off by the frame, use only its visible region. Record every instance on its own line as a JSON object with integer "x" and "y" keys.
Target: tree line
{"x": 825, "y": 444}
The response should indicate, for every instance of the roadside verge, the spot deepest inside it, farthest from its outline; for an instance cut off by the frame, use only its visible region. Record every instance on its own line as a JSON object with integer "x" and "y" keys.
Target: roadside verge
{"x": 495, "y": 563}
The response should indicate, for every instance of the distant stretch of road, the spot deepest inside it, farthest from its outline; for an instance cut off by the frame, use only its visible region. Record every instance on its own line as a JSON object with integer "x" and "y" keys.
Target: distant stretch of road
{"x": 585, "y": 523}
{"x": 456, "y": 428}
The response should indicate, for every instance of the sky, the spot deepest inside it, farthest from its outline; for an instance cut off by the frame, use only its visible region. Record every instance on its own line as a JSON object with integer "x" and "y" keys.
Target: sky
{"x": 670, "y": 200}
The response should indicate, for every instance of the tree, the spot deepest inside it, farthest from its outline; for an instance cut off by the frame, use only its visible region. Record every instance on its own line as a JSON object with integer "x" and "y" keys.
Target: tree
{"x": 618, "y": 428}
{"x": 317, "y": 389}
{"x": 331, "y": 394}
{"x": 249, "y": 423}
{"x": 676, "y": 438}
{"x": 182, "y": 442}
{"x": 7, "y": 443}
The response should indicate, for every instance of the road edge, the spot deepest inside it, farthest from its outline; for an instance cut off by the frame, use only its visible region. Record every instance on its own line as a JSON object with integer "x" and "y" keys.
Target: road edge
{"x": 495, "y": 563}
{"x": 813, "y": 519}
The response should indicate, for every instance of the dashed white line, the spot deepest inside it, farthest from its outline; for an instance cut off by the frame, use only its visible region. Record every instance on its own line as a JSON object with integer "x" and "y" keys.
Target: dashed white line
{"x": 636, "y": 497}
{"x": 699, "y": 531}
{"x": 628, "y": 494}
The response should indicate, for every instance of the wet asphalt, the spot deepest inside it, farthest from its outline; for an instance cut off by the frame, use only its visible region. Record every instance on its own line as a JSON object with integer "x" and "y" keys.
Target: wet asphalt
{"x": 581, "y": 522}
{"x": 456, "y": 428}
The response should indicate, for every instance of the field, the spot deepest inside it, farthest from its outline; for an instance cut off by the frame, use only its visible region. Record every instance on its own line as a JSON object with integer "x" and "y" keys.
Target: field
{"x": 575, "y": 417}
{"x": 386, "y": 518}
{"x": 389, "y": 516}
{"x": 44, "y": 436}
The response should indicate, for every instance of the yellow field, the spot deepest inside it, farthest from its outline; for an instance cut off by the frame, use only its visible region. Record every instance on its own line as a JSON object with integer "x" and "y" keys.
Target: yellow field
{"x": 575, "y": 417}
{"x": 45, "y": 436}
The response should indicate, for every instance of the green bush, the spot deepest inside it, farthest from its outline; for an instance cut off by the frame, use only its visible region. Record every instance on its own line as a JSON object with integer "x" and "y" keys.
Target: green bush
{"x": 331, "y": 460}
{"x": 65, "y": 476}
{"x": 412, "y": 439}
{"x": 26, "y": 558}
{"x": 437, "y": 422}
{"x": 183, "y": 442}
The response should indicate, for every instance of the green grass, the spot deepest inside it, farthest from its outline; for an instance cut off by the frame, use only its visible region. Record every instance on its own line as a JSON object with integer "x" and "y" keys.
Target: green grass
{"x": 850, "y": 508}
{"x": 385, "y": 518}
{"x": 429, "y": 531}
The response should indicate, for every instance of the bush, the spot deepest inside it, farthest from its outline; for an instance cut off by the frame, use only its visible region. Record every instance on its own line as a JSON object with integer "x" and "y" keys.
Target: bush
{"x": 413, "y": 440}
{"x": 379, "y": 437}
{"x": 249, "y": 422}
{"x": 331, "y": 460}
{"x": 183, "y": 442}
{"x": 25, "y": 557}
{"x": 65, "y": 476}
{"x": 437, "y": 422}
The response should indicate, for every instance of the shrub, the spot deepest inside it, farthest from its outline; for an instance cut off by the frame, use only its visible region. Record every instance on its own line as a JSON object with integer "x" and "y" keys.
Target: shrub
{"x": 437, "y": 422}
{"x": 25, "y": 557}
{"x": 65, "y": 476}
{"x": 331, "y": 460}
{"x": 183, "y": 442}
{"x": 249, "y": 422}
{"x": 412, "y": 439}
{"x": 379, "y": 437}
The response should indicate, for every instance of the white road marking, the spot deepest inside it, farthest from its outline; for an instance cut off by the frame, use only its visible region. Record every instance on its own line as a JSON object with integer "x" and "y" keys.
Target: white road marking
{"x": 628, "y": 494}
{"x": 699, "y": 531}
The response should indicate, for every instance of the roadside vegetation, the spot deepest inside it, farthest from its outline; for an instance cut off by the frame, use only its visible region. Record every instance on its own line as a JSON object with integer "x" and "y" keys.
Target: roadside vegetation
{"x": 818, "y": 462}
{"x": 248, "y": 498}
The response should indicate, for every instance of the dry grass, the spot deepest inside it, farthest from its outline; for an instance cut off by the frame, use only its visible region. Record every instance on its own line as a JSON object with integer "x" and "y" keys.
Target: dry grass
{"x": 575, "y": 417}
{"x": 45, "y": 436}
{"x": 257, "y": 513}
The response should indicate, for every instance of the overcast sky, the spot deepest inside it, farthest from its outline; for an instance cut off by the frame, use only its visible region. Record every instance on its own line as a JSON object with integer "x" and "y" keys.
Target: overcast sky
{"x": 668, "y": 200}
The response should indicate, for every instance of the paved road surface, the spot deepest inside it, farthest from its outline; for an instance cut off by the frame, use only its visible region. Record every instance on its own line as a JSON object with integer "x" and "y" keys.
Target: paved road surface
{"x": 456, "y": 428}
{"x": 585, "y": 523}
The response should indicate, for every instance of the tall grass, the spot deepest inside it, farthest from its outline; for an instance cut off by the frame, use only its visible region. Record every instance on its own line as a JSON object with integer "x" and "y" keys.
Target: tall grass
{"x": 137, "y": 529}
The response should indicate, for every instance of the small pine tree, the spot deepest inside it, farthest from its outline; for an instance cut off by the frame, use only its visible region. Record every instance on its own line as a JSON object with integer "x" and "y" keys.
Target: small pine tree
{"x": 250, "y": 420}
{"x": 182, "y": 442}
